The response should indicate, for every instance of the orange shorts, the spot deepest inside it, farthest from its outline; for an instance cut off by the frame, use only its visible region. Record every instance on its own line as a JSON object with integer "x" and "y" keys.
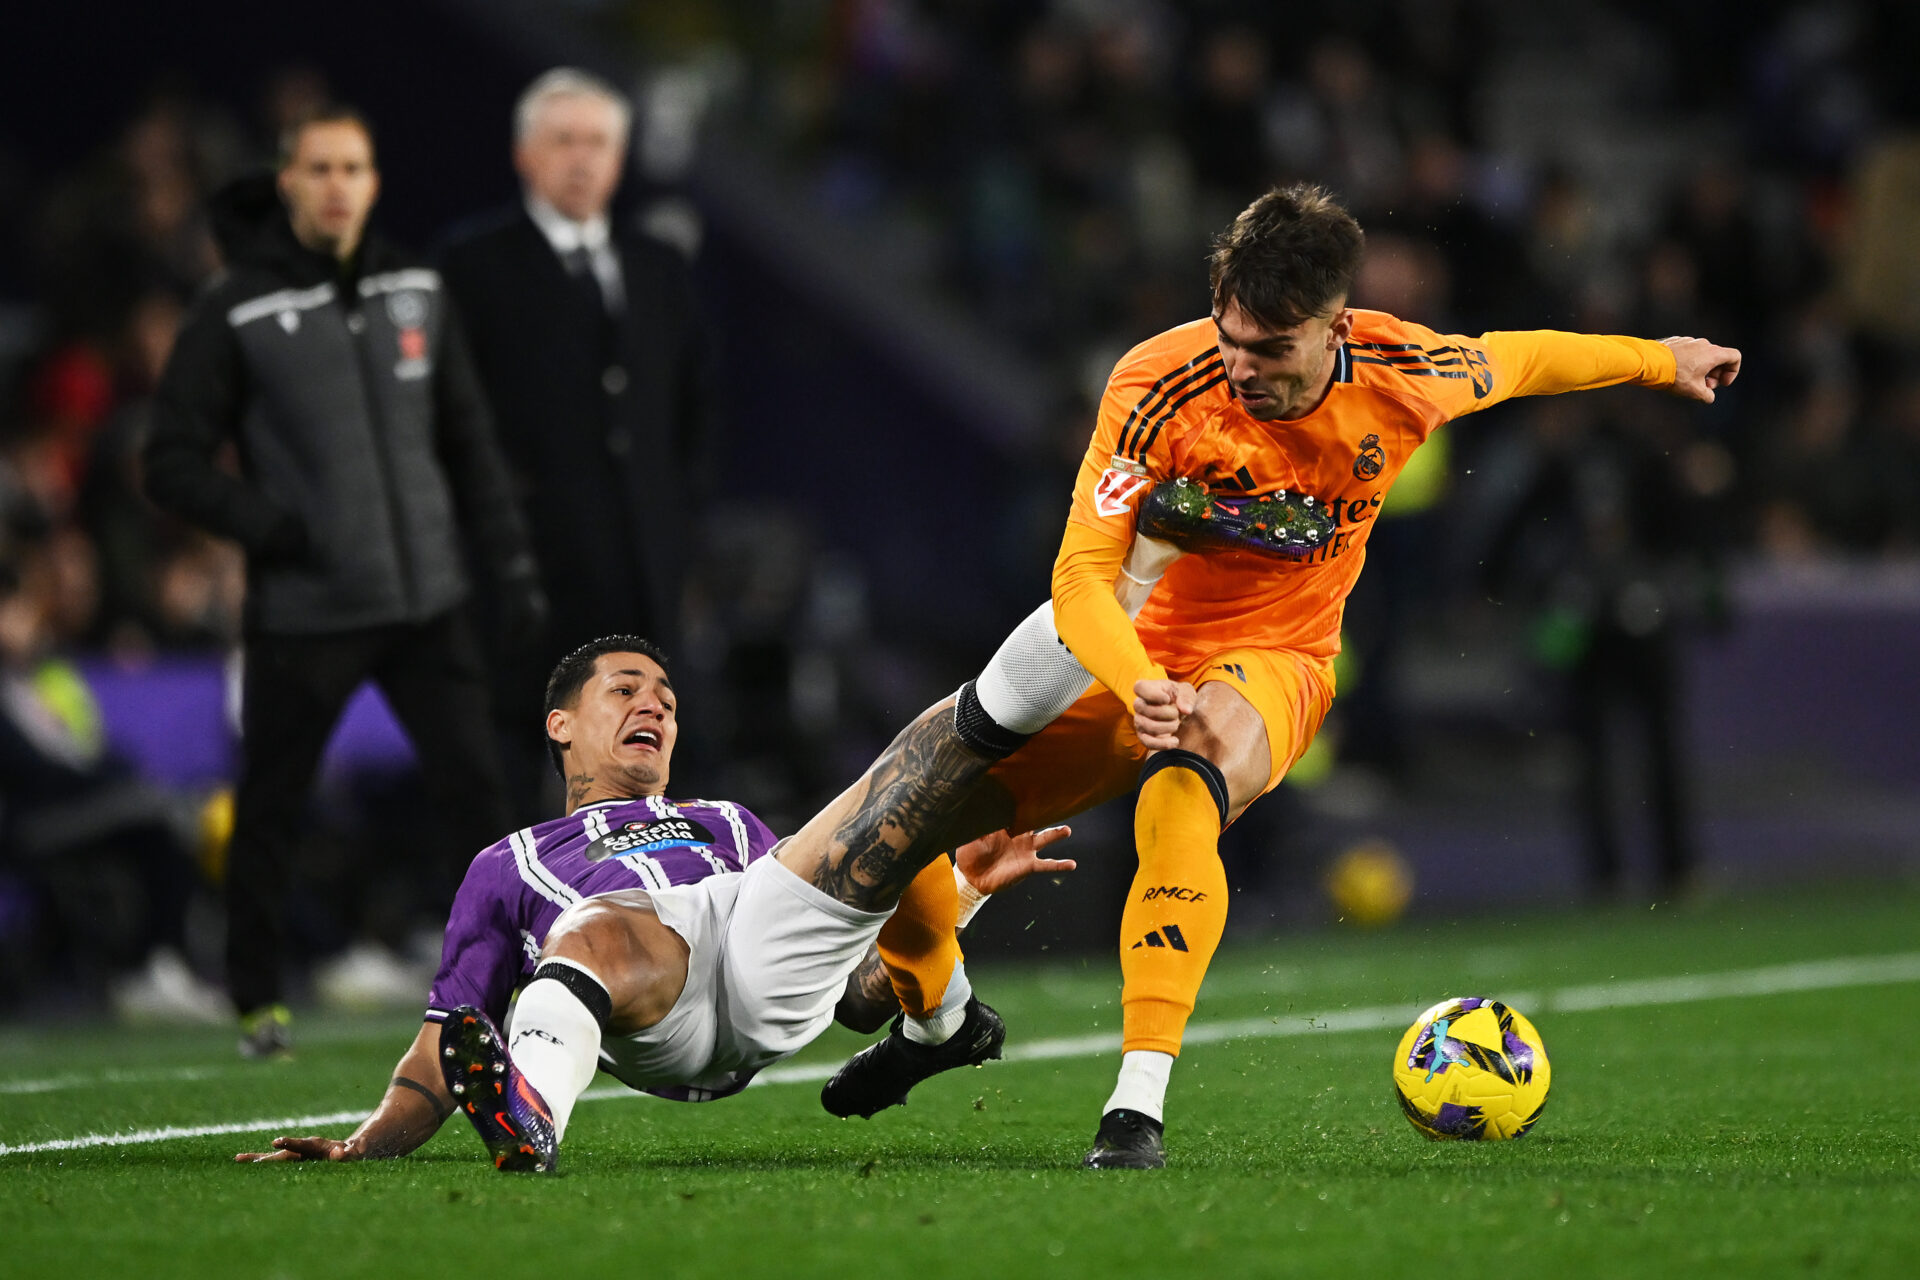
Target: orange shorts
{"x": 1090, "y": 755}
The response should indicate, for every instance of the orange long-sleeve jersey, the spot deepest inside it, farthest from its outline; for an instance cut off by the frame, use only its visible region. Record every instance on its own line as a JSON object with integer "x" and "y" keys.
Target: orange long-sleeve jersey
{"x": 1168, "y": 412}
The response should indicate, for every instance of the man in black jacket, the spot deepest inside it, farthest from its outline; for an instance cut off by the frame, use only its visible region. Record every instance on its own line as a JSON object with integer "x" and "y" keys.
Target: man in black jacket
{"x": 598, "y": 370}
{"x": 365, "y": 452}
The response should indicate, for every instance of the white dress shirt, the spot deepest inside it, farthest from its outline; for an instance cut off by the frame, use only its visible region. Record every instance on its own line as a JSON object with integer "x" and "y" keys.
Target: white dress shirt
{"x": 567, "y": 236}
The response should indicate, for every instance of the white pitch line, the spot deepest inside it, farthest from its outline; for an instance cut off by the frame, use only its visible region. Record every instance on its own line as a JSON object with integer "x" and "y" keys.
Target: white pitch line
{"x": 53, "y": 1084}
{"x": 1780, "y": 979}
{"x": 136, "y": 1136}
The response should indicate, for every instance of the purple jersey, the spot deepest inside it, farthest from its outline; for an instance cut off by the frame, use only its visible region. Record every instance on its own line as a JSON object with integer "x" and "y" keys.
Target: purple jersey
{"x": 517, "y": 888}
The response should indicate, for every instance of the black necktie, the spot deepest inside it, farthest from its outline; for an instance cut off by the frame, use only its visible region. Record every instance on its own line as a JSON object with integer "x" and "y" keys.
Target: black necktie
{"x": 579, "y": 264}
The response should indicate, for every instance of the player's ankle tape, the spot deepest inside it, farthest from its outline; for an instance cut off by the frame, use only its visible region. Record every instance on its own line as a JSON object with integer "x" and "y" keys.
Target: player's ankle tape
{"x": 1209, "y": 772}
{"x": 980, "y": 731}
{"x": 584, "y": 986}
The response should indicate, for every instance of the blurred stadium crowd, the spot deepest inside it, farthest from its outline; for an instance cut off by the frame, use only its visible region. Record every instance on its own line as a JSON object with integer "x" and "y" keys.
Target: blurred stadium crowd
{"x": 1053, "y": 172}
{"x": 1739, "y": 171}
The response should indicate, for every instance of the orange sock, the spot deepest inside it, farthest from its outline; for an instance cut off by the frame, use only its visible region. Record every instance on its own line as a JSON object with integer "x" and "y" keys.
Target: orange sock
{"x": 1177, "y": 908}
{"x": 918, "y": 943}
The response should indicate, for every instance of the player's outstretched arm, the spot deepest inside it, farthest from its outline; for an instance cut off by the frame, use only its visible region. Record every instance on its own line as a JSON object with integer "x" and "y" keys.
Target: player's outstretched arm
{"x": 1700, "y": 368}
{"x": 415, "y": 1106}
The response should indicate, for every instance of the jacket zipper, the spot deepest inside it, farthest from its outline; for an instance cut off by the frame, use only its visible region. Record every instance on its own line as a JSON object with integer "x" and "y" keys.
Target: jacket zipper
{"x": 383, "y": 462}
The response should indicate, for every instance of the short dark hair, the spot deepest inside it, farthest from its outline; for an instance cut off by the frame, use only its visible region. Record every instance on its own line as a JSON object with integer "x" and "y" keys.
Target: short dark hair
{"x": 571, "y": 672}
{"x": 330, "y": 113}
{"x": 1291, "y": 254}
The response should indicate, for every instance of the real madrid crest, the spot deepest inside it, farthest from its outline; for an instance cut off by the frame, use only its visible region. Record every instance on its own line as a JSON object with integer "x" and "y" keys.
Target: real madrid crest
{"x": 1372, "y": 460}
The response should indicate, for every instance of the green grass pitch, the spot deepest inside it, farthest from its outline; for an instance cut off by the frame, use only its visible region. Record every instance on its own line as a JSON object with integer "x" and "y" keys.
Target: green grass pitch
{"x": 1770, "y": 1132}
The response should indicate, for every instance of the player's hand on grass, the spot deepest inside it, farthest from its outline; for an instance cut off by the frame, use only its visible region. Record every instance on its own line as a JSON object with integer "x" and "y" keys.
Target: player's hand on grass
{"x": 301, "y": 1149}
{"x": 1700, "y": 368}
{"x": 1000, "y": 861}
{"x": 1159, "y": 708}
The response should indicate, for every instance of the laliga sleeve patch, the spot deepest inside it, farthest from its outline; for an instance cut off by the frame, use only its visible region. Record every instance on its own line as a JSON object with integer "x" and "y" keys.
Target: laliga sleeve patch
{"x": 1118, "y": 491}
{"x": 649, "y": 837}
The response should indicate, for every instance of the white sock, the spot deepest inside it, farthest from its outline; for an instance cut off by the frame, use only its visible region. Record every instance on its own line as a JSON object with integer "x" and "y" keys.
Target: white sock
{"x": 1032, "y": 677}
{"x": 939, "y": 1026}
{"x": 1142, "y": 1085}
{"x": 555, "y": 1043}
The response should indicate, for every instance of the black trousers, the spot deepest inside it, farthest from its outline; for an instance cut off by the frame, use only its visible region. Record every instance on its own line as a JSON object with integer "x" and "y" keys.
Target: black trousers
{"x": 295, "y": 688}
{"x": 1626, "y": 683}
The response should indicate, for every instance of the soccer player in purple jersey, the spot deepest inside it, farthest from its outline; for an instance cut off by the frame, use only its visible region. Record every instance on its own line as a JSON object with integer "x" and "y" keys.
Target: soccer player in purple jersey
{"x": 676, "y": 944}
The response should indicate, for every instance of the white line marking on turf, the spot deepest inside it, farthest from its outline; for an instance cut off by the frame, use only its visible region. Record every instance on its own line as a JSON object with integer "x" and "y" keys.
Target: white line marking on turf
{"x": 1816, "y": 975}
{"x": 1779, "y": 979}
{"x": 135, "y": 1136}
{"x": 54, "y": 1084}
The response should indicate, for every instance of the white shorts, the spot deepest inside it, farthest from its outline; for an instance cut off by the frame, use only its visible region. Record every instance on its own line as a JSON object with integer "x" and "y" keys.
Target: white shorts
{"x": 768, "y": 956}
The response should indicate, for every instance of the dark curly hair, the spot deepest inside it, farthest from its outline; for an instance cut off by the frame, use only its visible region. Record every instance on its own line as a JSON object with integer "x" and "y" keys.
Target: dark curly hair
{"x": 1291, "y": 254}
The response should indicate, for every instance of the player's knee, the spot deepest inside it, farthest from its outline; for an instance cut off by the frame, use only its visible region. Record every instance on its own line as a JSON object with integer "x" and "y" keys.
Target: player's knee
{"x": 585, "y": 986}
{"x": 1228, "y": 731}
{"x": 1198, "y": 766}
{"x": 595, "y": 932}
{"x": 608, "y": 936}
{"x": 1220, "y": 717}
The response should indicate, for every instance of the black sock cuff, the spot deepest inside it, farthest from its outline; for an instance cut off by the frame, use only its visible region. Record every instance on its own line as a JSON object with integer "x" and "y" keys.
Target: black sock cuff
{"x": 584, "y": 987}
{"x": 1209, "y": 773}
{"x": 980, "y": 731}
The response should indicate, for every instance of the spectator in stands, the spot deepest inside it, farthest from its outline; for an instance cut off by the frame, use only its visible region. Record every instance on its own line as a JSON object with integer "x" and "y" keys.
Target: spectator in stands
{"x": 130, "y": 218}
{"x": 593, "y": 353}
{"x": 366, "y": 454}
{"x": 99, "y": 853}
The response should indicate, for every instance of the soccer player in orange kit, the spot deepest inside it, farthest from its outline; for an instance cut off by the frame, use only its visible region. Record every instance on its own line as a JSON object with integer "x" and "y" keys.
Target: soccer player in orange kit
{"x": 1207, "y": 698}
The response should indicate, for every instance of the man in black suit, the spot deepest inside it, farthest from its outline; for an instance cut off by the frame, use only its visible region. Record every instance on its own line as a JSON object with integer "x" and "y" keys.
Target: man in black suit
{"x": 592, "y": 351}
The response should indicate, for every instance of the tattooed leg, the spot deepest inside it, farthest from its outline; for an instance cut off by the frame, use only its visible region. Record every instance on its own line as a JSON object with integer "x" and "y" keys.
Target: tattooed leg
{"x": 863, "y": 849}
{"x": 867, "y": 845}
{"x": 869, "y": 1000}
